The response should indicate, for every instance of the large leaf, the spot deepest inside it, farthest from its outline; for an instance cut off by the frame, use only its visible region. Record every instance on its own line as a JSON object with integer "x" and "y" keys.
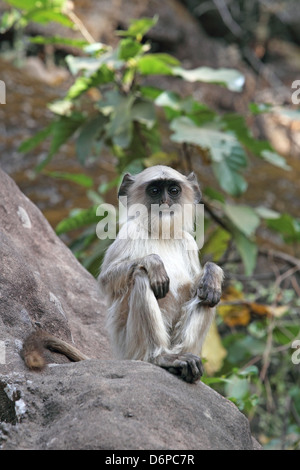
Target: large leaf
{"x": 129, "y": 48}
{"x": 217, "y": 243}
{"x": 102, "y": 76}
{"x": 287, "y": 226}
{"x": 44, "y": 16}
{"x": 78, "y": 178}
{"x": 261, "y": 148}
{"x": 61, "y": 131}
{"x": 156, "y": 64}
{"x": 138, "y": 28}
{"x": 243, "y": 217}
{"x": 175, "y": 106}
{"x": 79, "y": 219}
{"x": 88, "y": 135}
{"x": 119, "y": 128}
{"x": 232, "y": 79}
{"x": 227, "y": 155}
{"x": 59, "y": 40}
{"x": 32, "y": 142}
{"x": 247, "y": 249}
{"x": 143, "y": 111}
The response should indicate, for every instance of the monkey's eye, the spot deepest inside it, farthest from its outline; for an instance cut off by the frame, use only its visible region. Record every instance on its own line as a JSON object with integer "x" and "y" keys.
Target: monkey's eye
{"x": 174, "y": 190}
{"x": 154, "y": 191}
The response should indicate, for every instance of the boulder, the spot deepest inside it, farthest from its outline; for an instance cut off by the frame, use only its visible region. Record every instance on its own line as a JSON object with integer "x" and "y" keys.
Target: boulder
{"x": 98, "y": 403}
{"x": 120, "y": 405}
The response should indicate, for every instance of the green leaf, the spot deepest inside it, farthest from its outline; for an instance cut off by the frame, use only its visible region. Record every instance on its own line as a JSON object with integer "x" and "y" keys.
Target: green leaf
{"x": 243, "y": 217}
{"x": 260, "y": 108}
{"x": 156, "y": 64}
{"x": 261, "y": 148}
{"x": 32, "y": 142}
{"x": 80, "y": 219}
{"x": 138, "y": 28}
{"x": 44, "y": 16}
{"x": 129, "y": 48}
{"x": 228, "y": 157}
{"x": 61, "y": 131}
{"x": 118, "y": 108}
{"x": 230, "y": 78}
{"x": 143, "y": 111}
{"x": 82, "y": 84}
{"x": 287, "y": 226}
{"x": 61, "y": 107}
{"x": 87, "y": 136}
{"x": 216, "y": 244}
{"x": 266, "y": 213}
{"x": 275, "y": 159}
{"x": 78, "y": 178}
{"x": 27, "y": 5}
{"x": 247, "y": 250}
{"x": 228, "y": 177}
{"x": 249, "y": 371}
{"x": 237, "y": 388}
{"x": 81, "y": 43}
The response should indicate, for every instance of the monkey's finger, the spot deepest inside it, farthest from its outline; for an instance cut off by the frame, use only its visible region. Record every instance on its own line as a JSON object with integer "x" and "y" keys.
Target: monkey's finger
{"x": 181, "y": 366}
{"x": 194, "y": 368}
{"x": 174, "y": 370}
{"x": 166, "y": 287}
{"x": 156, "y": 290}
{"x": 210, "y": 298}
{"x": 202, "y": 292}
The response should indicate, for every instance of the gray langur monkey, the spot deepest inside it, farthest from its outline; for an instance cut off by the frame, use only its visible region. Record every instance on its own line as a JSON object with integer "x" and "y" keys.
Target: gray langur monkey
{"x": 161, "y": 302}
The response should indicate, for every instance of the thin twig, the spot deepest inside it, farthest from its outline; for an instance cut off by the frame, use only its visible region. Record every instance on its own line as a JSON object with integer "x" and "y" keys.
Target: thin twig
{"x": 280, "y": 255}
{"x": 267, "y": 351}
{"x": 77, "y": 21}
{"x": 227, "y": 18}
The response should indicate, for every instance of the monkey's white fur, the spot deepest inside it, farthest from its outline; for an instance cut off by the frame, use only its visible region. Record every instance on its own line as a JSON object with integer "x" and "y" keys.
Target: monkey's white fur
{"x": 141, "y": 326}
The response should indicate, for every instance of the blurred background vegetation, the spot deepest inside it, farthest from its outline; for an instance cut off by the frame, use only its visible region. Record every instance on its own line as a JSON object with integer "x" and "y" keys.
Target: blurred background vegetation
{"x": 97, "y": 88}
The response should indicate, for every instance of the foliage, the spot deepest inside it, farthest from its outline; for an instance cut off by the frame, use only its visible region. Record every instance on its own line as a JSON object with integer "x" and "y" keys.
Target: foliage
{"x": 258, "y": 374}
{"x": 111, "y": 105}
{"x": 124, "y": 118}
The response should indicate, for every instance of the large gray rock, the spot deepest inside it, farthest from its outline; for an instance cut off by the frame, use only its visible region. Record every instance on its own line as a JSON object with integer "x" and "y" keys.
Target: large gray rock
{"x": 42, "y": 282}
{"x": 121, "y": 405}
{"x": 94, "y": 404}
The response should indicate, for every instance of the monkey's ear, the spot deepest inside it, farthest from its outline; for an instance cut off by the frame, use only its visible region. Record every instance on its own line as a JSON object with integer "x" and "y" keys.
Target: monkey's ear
{"x": 127, "y": 181}
{"x": 192, "y": 179}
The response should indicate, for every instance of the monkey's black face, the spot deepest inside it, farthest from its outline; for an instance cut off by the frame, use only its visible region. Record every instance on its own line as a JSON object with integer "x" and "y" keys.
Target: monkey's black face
{"x": 163, "y": 192}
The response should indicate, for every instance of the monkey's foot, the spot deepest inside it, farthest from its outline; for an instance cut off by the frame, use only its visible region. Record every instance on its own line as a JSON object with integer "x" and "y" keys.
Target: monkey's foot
{"x": 187, "y": 366}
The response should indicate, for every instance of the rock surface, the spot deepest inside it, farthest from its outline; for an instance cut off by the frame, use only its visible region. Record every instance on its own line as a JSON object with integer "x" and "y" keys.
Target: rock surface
{"x": 96, "y": 404}
{"x": 122, "y": 405}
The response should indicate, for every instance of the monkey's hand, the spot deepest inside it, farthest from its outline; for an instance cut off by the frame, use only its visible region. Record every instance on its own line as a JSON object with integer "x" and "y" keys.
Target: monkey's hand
{"x": 187, "y": 366}
{"x": 157, "y": 274}
{"x": 209, "y": 289}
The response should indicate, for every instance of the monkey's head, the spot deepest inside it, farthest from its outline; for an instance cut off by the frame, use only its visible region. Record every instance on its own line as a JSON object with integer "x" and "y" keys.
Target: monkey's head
{"x": 164, "y": 192}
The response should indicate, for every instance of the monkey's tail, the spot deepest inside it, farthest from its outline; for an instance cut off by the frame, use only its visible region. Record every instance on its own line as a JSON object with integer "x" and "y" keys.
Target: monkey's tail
{"x": 36, "y": 343}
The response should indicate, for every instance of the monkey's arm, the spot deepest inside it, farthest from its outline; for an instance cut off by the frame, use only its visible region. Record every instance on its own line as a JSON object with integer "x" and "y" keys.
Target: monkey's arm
{"x": 36, "y": 342}
{"x": 117, "y": 277}
{"x": 209, "y": 286}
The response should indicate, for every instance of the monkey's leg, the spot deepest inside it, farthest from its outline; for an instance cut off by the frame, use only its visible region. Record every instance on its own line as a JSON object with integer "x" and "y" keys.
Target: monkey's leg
{"x": 186, "y": 342}
{"x": 146, "y": 332}
{"x": 196, "y": 317}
